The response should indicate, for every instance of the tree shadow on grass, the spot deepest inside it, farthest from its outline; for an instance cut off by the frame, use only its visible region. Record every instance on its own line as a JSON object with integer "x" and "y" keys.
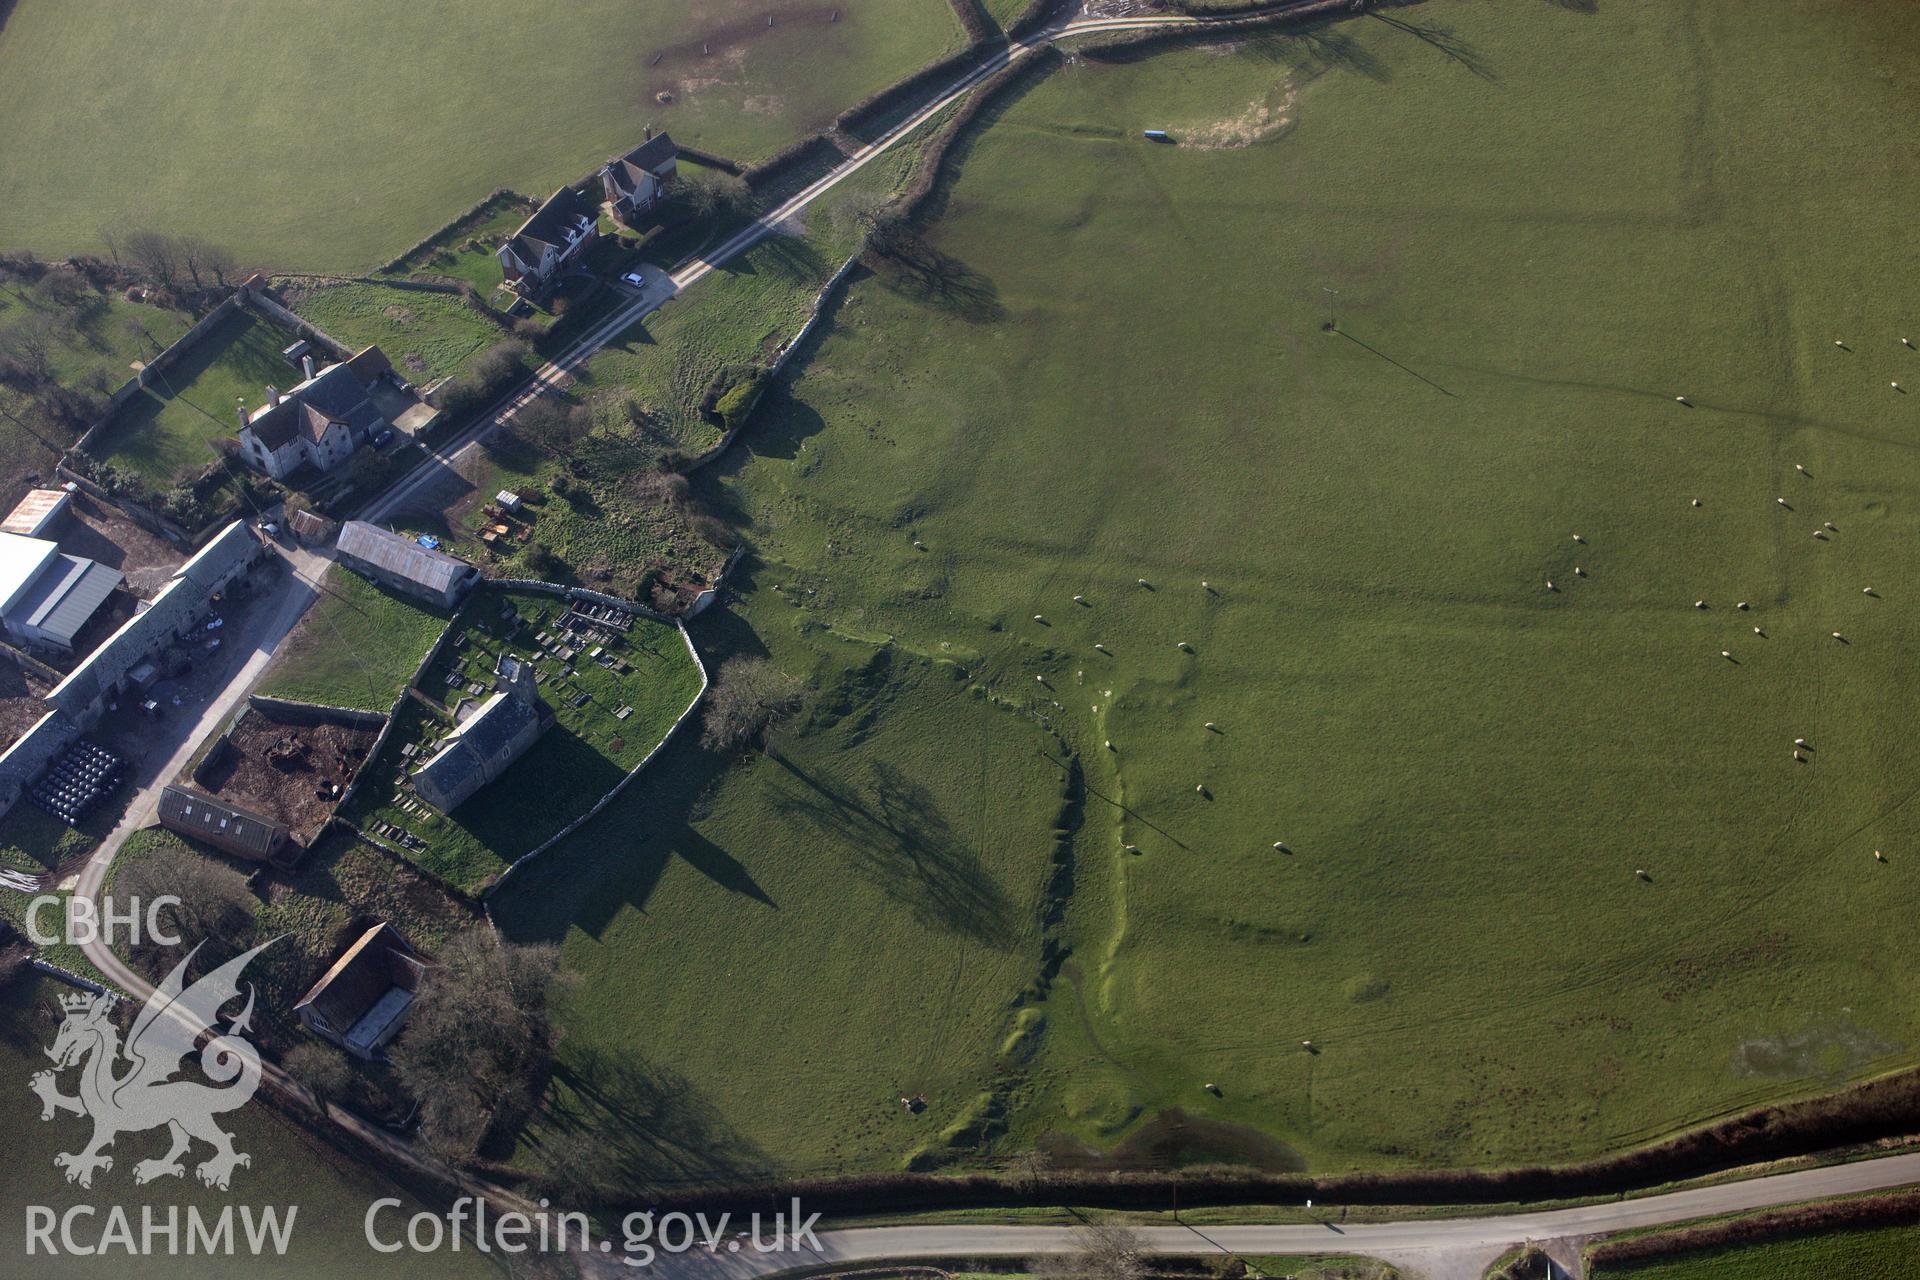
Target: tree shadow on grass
{"x": 1316, "y": 49}
{"x": 917, "y": 271}
{"x": 893, "y": 833}
{"x": 1455, "y": 47}
{"x": 622, "y": 1129}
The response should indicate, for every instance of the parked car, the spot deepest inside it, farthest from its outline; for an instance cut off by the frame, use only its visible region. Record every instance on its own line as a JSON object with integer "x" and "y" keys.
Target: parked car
{"x": 381, "y": 437}
{"x": 270, "y": 528}
{"x": 635, "y": 278}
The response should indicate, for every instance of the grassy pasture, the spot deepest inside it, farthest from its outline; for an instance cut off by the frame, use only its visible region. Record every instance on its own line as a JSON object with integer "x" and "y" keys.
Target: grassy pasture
{"x": 1544, "y": 224}
{"x": 861, "y": 904}
{"x": 356, "y": 647}
{"x": 94, "y": 341}
{"x": 241, "y": 132}
{"x": 427, "y": 335}
{"x": 166, "y": 432}
{"x": 1886, "y": 1253}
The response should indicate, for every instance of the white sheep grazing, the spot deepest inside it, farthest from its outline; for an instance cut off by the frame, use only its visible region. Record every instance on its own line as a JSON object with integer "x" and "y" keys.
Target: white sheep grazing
{"x": 1144, "y": 582}
{"x": 1743, "y": 606}
{"x": 1800, "y": 742}
{"x": 1281, "y": 845}
{"x": 1039, "y": 618}
{"x": 1184, "y": 647}
{"x": 1757, "y": 631}
{"x": 1727, "y": 654}
{"x": 1680, "y": 400}
{"x": 1838, "y": 343}
{"x": 1578, "y": 572}
{"x": 1212, "y": 727}
{"x": 1797, "y": 467}
{"x": 1550, "y": 585}
{"x": 1110, "y": 745}
{"x": 1838, "y": 636}
{"x": 1801, "y": 758}
{"x": 1079, "y": 599}
{"x": 1696, "y": 502}
{"x": 1578, "y": 538}
{"x": 1830, "y": 526}
{"x": 1866, "y": 591}
{"x": 1820, "y": 533}
{"x": 1699, "y": 604}
{"x": 1877, "y": 855}
{"x": 1781, "y": 501}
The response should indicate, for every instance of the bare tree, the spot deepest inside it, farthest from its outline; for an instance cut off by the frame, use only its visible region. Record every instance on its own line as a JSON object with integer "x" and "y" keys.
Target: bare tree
{"x": 875, "y": 219}
{"x": 749, "y": 697}
{"x": 711, "y": 195}
{"x": 552, "y": 427}
{"x": 156, "y": 256}
{"x": 478, "y": 1038}
{"x": 214, "y": 905}
{"x": 1102, "y": 1251}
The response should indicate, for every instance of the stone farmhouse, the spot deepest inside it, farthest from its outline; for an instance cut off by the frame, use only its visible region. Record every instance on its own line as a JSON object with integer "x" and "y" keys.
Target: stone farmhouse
{"x": 487, "y": 741}
{"x": 397, "y": 561}
{"x": 633, "y": 182}
{"x": 536, "y": 255}
{"x": 328, "y": 415}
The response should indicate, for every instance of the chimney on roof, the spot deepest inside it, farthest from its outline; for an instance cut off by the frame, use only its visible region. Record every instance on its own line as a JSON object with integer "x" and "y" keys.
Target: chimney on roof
{"x": 273, "y": 396}
{"x": 242, "y": 405}
{"x": 306, "y": 365}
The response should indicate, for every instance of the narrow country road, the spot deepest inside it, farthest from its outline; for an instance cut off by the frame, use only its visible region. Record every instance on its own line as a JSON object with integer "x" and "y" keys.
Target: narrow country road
{"x": 1427, "y": 1249}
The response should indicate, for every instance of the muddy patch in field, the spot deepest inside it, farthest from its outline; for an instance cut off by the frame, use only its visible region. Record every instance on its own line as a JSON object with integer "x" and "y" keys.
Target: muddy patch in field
{"x": 1830, "y": 1048}
{"x": 1263, "y": 118}
{"x": 716, "y": 55}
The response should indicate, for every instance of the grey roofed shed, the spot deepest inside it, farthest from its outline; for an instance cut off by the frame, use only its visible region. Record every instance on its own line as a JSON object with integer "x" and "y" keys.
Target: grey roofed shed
{"x": 433, "y": 573}
{"x": 227, "y": 827}
{"x": 69, "y": 592}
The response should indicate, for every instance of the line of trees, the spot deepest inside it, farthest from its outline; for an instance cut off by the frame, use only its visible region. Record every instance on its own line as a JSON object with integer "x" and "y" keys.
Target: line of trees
{"x": 176, "y": 264}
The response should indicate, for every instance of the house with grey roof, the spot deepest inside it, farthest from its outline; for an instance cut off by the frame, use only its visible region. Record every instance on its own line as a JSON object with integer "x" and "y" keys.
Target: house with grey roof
{"x": 322, "y": 420}
{"x": 361, "y": 1001}
{"x": 633, "y": 182}
{"x": 488, "y": 741}
{"x": 560, "y": 230}
{"x": 403, "y": 563}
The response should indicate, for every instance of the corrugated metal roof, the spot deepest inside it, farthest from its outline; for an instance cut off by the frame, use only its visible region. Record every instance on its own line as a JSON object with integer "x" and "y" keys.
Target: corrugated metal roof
{"x": 220, "y": 824}
{"x": 35, "y": 511}
{"x": 400, "y": 556}
{"x": 67, "y": 594}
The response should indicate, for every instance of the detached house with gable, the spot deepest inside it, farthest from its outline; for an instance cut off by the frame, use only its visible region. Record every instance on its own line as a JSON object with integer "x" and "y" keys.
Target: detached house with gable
{"x": 633, "y": 182}
{"x": 536, "y": 255}
{"x": 321, "y": 421}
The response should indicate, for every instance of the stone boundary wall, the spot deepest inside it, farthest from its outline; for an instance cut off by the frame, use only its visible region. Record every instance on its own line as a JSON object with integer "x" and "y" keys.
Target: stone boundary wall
{"x": 159, "y": 364}
{"x": 69, "y": 977}
{"x": 393, "y": 263}
{"x": 787, "y": 352}
{"x": 313, "y": 712}
{"x": 393, "y": 716}
{"x": 607, "y": 799}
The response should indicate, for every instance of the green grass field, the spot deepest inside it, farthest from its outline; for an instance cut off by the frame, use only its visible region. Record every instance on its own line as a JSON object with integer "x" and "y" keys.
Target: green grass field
{"x": 427, "y": 336}
{"x": 289, "y": 1168}
{"x": 166, "y": 432}
{"x": 430, "y": 107}
{"x": 577, "y": 761}
{"x": 1888, "y": 1253}
{"x": 356, "y": 647}
{"x": 1544, "y": 224}
{"x": 94, "y": 341}
{"x": 465, "y": 251}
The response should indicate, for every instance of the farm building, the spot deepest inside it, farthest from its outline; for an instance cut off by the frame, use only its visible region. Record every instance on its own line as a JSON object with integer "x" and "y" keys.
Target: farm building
{"x": 533, "y": 257}
{"x": 227, "y": 827}
{"x": 331, "y": 413}
{"x": 47, "y": 596}
{"x": 38, "y": 514}
{"x": 361, "y": 1001}
{"x": 176, "y": 610}
{"x": 488, "y": 741}
{"x": 633, "y": 183}
{"x": 400, "y": 562}
{"x": 312, "y": 528}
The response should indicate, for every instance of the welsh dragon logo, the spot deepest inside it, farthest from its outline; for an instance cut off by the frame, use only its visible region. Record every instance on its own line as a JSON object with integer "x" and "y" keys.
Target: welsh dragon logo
{"x": 131, "y": 1088}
